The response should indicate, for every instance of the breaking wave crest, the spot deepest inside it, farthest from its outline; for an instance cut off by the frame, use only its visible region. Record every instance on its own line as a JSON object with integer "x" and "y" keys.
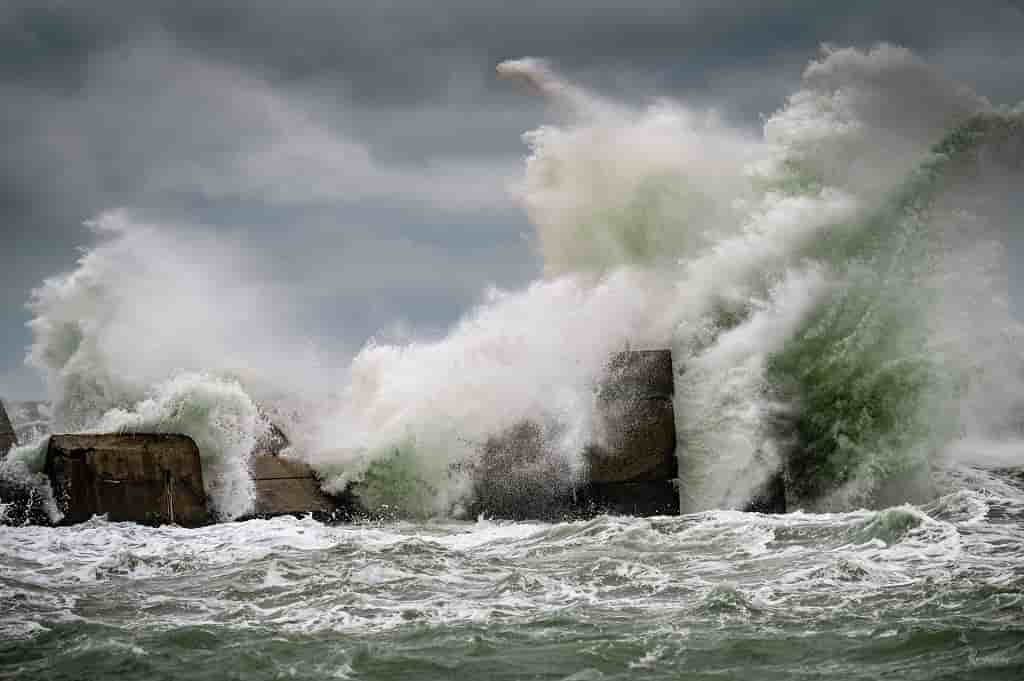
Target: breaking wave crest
{"x": 834, "y": 291}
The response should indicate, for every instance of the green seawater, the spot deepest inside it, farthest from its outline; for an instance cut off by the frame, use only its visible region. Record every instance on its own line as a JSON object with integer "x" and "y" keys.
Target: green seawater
{"x": 930, "y": 592}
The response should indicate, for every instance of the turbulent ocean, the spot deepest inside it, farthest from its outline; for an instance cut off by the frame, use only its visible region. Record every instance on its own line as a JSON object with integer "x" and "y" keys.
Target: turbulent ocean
{"x": 930, "y": 592}
{"x": 837, "y": 292}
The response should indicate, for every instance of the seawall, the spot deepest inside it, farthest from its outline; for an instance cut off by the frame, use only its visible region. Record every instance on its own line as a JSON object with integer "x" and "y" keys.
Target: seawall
{"x": 630, "y": 467}
{"x": 7, "y": 437}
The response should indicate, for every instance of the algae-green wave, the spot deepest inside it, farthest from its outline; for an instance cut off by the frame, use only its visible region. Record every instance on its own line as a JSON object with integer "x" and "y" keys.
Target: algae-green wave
{"x": 875, "y": 400}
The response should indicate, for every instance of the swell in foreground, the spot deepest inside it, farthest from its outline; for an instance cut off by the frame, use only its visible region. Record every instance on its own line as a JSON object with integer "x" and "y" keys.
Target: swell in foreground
{"x": 913, "y": 593}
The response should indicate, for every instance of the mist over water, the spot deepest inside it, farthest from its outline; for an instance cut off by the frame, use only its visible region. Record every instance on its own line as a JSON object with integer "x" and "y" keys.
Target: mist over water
{"x": 835, "y": 292}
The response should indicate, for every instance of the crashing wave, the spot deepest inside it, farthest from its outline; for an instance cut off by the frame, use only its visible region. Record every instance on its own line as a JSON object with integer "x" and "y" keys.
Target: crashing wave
{"x": 834, "y": 291}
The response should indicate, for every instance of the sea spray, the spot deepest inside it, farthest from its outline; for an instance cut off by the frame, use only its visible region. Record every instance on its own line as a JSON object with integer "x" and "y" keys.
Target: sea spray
{"x": 215, "y": 412}
{"x": 825, "y": 192}
{"x": 150, "y": 301}
{"x": 219, "y": 416}
{"x": 27, "y": 486}
{"x": 530, "y": 355}
{"x": 167, "y": 331}
{"x": 884, "y": 370}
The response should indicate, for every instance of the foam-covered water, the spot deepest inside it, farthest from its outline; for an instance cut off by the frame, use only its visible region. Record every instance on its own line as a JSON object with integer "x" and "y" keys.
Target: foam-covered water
{"x": 907, "y": 592}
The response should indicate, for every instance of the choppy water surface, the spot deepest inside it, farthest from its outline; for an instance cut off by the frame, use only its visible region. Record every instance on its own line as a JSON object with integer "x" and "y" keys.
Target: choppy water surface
{"x": 911, "y": 593}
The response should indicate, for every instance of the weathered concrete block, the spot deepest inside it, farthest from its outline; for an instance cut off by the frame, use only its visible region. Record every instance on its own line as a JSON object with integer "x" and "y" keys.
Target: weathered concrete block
{"x": 644, "y": 499}
{"x": 636, "y": 430}
{"x": 631, "y": 468}
{"x": 7, "y": 437}
{"x": 642, "y": 373}
{"x": 637, "y": 442}
{"x": 285, "y": 487}
{"x": 150, "y": 479}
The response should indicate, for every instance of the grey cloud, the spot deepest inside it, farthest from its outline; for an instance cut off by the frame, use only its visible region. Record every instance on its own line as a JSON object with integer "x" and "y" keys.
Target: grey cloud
{"x": 391, "y": 54}
{"x": 362, "y": 148}
{"x": 236, "y": 136}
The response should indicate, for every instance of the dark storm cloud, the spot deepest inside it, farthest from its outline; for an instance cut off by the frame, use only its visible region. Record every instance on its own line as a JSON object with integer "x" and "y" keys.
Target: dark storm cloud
{"x": 369, "y": 141}
{"x": 403, "y": 53}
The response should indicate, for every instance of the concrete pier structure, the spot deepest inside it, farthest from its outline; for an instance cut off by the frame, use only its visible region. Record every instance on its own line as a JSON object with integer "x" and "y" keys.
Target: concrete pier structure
{"x": 286, "y": 487}
{"x": 148, "y": 479}
{"x": 7, "y": 437}
{"x": 158, "y": 479}
{"x": 630, "y": 468}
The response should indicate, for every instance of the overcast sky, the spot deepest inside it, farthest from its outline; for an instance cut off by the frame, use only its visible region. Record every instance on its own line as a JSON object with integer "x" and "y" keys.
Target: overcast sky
{"x": 362, "y": 150}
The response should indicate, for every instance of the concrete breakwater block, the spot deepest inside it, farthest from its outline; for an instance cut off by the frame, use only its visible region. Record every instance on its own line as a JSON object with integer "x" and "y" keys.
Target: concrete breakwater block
{"x": 158, "y": 479}
{"x": 637, "y": 442}
{"x": 149, "y": 479}
{"x": 7, "y": 437}
{"x": 286, "y": 487}
{"x": 630, "y": 469}
{"x": 643, "y": 499}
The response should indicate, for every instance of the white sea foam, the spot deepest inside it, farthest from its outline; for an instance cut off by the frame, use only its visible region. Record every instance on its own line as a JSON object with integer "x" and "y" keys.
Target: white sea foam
{"x": 222, "y": 420}
{"x": 306, "y": 577}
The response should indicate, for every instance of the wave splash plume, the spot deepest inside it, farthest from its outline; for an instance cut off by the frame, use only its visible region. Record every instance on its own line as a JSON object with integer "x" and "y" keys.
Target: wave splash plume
{"x": 834, "y": 291}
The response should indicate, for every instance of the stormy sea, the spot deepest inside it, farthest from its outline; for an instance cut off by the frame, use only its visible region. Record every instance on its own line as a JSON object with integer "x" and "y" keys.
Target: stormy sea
{"x": 835, "y": 290}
